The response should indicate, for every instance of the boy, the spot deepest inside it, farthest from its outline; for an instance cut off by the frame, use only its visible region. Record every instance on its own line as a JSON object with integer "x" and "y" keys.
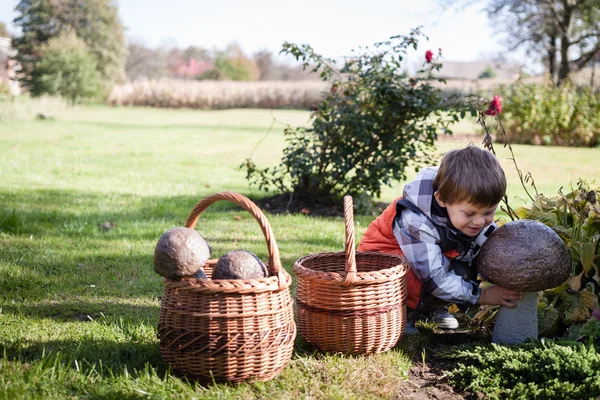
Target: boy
{"x": 439, "y": 224}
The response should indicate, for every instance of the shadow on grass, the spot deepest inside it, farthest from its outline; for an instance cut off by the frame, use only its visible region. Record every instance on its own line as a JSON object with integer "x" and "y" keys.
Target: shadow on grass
{"x": 66, "y": 213}
{"x": 107, "y": 357}
{"x": 34, "y": 272}
{"x": 86, "y": 311}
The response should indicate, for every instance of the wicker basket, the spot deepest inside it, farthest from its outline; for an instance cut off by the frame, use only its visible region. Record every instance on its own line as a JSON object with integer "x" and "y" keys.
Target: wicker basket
{"x": 349, "y": 302}
{"x": 227, "y": 329}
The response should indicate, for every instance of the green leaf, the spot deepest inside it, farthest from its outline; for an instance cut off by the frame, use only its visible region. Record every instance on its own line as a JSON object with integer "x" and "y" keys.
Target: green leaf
{"x": 558, "y": 290}
{"x": 587, "y": 255}
{"x": 547, "y": 321}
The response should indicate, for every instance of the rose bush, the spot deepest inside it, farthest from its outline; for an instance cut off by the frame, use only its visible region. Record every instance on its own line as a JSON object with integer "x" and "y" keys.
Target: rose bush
{"x": 373, "y": 123}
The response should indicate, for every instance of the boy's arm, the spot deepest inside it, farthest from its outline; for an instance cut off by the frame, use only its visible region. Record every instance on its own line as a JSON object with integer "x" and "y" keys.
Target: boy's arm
{"x": 420, "y": 244}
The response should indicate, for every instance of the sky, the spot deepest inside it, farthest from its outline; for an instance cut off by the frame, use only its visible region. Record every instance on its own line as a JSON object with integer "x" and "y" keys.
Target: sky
{"x": 332, "y": 27}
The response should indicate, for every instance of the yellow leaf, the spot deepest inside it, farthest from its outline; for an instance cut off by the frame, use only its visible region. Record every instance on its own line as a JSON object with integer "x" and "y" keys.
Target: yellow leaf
{"x": 522, "y": 212}
{"x": 486, "y": 314}
{"x": 575, "y": 282}
{"x": 453, "y": 308}
{"x": 589, "y": 299}
{"x": 577, "y": 307}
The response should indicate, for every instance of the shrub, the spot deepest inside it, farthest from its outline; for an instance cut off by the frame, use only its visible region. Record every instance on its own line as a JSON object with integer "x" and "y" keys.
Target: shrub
{"x": 373, "y": 122}
{"x": 67, "y": 69}
{"x": 547, "y": 115}
{"x": 544, "y": 370}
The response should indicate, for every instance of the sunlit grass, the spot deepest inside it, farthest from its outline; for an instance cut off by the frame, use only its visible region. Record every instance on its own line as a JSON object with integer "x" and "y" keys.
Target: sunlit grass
{"x": 79, "y": 304}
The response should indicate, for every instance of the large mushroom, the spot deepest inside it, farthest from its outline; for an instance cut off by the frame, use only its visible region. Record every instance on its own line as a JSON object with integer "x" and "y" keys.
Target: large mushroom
{"x": 527, "y": 256}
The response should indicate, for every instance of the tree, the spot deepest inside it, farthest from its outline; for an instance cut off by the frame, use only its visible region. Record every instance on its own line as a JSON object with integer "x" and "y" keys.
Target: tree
{"x": 264, "y": 63}
{"x": 237, "y": 68}
{"x": 563, "y": 34}
{"x": 67, "y": 69}
{"x": 35, "y": 17}
{"x": 374, "y": 122}
{"x": 195, "y": 53}
{"x": 143, "y": 62}
{"x": 96, "y": 22}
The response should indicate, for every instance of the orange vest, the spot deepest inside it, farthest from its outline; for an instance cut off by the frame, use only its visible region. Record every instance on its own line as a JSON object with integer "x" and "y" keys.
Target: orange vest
{"x": 380, "y": 237}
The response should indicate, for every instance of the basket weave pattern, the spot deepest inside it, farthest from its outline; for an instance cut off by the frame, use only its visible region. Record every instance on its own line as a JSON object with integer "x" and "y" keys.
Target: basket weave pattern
{"x": 350, "y": 302}
{"x": 229, "y": 330}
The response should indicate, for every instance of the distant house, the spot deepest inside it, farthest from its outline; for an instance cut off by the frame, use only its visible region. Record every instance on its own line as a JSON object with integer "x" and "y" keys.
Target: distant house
{"x": 479, "y": 70}
{"x": 8, "y": 66}
{"x": 192, "y": 68}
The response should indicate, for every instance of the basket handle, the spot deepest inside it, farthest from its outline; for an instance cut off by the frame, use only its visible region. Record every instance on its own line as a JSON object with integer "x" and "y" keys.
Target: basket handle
{"x": 350, "y": 251}
{"x": 247, "y": 204}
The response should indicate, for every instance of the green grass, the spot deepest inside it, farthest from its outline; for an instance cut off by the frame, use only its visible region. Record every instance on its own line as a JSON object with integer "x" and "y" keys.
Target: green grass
{"x": 79, "y": 305}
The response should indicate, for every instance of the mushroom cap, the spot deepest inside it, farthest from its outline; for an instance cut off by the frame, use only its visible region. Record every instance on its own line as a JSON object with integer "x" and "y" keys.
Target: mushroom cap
{"x": 239, "y": 264}
{"x": 180, "y": 252}
{"x": 524, "y": 255}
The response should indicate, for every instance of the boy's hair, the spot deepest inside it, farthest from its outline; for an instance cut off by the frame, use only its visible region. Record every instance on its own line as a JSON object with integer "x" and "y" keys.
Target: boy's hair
{"x": 470, "y": 174}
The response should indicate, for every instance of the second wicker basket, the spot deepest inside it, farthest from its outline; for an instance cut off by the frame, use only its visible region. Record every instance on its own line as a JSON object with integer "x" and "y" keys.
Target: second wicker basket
{"x": 351, "y": 302}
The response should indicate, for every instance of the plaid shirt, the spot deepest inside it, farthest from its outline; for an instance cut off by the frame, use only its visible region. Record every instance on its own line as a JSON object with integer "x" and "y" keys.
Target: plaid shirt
{"x": 419, "y": 227}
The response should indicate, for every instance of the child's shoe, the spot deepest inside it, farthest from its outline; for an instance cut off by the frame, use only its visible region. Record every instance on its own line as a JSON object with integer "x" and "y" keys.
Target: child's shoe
{"x": 444, "y": 319}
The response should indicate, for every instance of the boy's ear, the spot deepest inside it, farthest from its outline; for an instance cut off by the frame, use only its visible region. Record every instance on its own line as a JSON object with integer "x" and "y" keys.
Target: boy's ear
{"x": 439, "y": 199}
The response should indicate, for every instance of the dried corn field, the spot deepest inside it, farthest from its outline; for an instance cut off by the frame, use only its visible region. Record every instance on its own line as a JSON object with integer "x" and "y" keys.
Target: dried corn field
{"x": 178, "y": 93}
{"x": 173, "y": 93}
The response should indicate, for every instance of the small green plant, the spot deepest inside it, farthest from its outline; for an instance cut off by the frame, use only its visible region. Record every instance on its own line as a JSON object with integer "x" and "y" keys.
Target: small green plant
{"x": 541, "y": 370}
{"x": 590, "y": 331}
{"x": 374, "y": 122}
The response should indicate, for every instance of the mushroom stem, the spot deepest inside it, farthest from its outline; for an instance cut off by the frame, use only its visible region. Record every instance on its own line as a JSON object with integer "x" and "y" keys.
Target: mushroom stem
{"x": 516, "y": 325}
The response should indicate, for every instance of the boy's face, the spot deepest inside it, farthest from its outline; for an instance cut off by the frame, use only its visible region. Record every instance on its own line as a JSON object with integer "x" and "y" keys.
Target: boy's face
{"x": 467, "y": 218}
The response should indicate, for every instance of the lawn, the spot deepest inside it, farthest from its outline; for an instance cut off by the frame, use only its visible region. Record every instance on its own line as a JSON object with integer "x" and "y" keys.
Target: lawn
{"x": 79, "y": 304}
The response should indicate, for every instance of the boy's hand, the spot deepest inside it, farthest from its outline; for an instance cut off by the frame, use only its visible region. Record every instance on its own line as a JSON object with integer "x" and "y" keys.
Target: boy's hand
{"x": 497, "y": 295}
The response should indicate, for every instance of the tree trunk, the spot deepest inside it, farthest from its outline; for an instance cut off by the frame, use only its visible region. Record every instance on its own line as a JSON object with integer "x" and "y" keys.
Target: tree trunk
{"x": 552, "y": 58}
{"x": 565, "y": 68}
{"x": 565, "y": 43}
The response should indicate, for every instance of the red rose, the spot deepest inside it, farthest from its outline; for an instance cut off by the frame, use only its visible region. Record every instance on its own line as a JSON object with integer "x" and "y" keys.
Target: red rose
{"x": 495, "y": 106}
{"x": 429, "y": 56}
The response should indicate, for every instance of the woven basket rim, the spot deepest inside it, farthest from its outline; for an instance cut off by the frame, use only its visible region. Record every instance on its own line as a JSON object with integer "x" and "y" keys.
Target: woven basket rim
{"x": 395, "y": 272}
{"x": 242, "y": 286}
